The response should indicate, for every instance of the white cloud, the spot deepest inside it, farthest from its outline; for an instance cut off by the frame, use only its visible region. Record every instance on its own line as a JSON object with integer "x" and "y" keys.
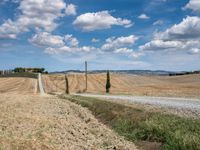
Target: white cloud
{"x": 143, "y": 16}
{"x": 160, "y": 45}
{"x": 67, "y": 49}
{"x": 8, "y": 30}
{"x": 113, "y": 42}
{"x": 99, "y": 20}
{"x": 184, "y": 36}
{"x": 70, "y": 9}
{"x": 39, "y": 15}
{"x": 158, "y": 22}
{"x": 123, "y": 50}
{"x": 94, "y": 40}
{"x": 194, "y": 5}
{"x": 189, "y": 28}
{"x": 72, "y": 41}
{"x": 55, "y": 44}
{"x": 194, "y": 50}
{"x": 45, "y": 39}
{"x": 121, "y": 45}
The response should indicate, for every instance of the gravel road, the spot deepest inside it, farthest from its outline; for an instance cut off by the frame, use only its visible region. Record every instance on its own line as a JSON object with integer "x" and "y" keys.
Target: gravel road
{"x": 167, "y": 102}
{"x": 40, "y": 84}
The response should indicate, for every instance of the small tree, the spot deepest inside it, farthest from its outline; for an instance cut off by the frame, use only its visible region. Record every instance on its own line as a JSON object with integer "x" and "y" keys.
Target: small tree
{"x": 108, "y": 85}
{"x": 67, "y": 85}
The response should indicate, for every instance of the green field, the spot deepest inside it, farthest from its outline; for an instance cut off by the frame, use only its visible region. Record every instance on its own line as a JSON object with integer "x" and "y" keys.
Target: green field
{"x": 169, "y": 131}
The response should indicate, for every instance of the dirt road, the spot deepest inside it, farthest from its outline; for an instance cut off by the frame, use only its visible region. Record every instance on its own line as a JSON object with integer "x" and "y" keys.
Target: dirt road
{"x": 46, "y": 122}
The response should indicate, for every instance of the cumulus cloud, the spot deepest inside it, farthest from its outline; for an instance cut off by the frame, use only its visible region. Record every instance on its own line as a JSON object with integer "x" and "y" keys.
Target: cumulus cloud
{"x": 99, "y": 20}
{"x": 128, "y": 51}
{"x": 45, "y": 39}
{"x": 160, "y": 45}
{"x": 113, "y": 42}
{"x": 94, "y": 40}
{"x": 121, "y": 45}
{"x": 67, "y": 49}
{"x": 9, "y": 30}
{"x": 55, "y": 44}
{"x": 184, "y": 36}
{"x": 72, "y": 41}
{"x": 70, "y": 9}
{"x": 158, "y": 22}
{"x": 143, "y": 16}
{"x": 40, "y": 15}
{"x": 193, "y": 5}
{"x": 189, "y": 28}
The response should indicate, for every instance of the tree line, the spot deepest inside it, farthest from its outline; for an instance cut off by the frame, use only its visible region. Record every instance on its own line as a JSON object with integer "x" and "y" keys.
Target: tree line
{"x": 31, "y": 70}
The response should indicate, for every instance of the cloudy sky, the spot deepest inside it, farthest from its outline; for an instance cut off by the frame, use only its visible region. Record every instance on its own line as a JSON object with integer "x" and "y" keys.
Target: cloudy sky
{"x": 109, "y": 34}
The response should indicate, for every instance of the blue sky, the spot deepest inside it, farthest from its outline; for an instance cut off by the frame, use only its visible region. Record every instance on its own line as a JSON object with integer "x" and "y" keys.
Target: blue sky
{"x": 115, "y": 34}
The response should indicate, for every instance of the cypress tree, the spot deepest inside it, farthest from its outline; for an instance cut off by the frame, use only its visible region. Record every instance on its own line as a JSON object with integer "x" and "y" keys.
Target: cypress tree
{"x": 67, "y": 84}
{"x": 108, "y": 85}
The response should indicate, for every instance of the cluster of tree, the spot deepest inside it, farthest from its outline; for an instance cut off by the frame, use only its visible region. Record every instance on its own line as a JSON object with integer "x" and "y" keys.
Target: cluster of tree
{"x": 184, "y": 73}
{"x": 32, "y": 70}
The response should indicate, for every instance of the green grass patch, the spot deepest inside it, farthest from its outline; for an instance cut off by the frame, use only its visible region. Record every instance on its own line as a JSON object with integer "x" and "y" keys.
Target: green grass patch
{"x": 175, "y": 133}
{"x": 22, "y": 74}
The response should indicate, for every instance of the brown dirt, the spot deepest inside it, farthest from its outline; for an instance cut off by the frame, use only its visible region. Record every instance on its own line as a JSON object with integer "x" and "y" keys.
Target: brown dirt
{"x": 176, "y": 86}
{"x": 18, "y": 85}
{"x": 35, "y": 122}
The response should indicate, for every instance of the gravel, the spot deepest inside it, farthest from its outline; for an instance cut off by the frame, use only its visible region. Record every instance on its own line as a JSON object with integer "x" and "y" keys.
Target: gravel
{"x": 182, "y": 104}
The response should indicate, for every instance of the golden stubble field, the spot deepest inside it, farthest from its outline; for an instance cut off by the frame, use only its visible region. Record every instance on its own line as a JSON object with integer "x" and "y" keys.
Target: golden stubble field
{"x": 18, "y": 85}
{"x": 30, "y": 121}
{"x": 176, "y": 86}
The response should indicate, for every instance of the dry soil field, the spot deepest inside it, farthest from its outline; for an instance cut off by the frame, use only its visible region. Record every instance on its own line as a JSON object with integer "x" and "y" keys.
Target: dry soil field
{"x": 29, "y": 121}
{"x": 35, "y": 122}
{"x": 176, "y": 86}
{"x": 18, "y": 85}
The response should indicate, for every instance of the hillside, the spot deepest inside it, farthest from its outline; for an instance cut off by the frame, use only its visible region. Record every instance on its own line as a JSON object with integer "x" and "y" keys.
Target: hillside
{"x": 176, "y": 86}
{"x": 20, "y": 85}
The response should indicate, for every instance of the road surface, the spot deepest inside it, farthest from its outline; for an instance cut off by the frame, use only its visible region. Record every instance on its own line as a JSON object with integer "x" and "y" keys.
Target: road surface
{"x": 40, "y": 84}
{"x": 167, "y": 102}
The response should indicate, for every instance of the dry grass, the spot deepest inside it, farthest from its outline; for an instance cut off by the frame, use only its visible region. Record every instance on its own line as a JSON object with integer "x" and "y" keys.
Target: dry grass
{"x": 176, "y": 86}
{"x": 49, "y": 123}
{"x": 18, "y": 85}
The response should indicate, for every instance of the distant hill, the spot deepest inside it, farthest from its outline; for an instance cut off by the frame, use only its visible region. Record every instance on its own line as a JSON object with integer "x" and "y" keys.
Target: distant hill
{"x": 137, "y": 72}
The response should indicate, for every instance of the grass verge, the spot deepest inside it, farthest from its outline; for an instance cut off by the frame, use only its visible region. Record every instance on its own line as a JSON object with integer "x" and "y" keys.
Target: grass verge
{"x": 175, "y": 133}
{"x": 23, "y": 74}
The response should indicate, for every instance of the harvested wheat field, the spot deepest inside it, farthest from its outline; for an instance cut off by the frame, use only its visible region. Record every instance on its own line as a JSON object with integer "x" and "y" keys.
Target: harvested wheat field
{"x": 18, "y": 85}
{"x": 175, "y": 86}
{"x": 48, "y": 123}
